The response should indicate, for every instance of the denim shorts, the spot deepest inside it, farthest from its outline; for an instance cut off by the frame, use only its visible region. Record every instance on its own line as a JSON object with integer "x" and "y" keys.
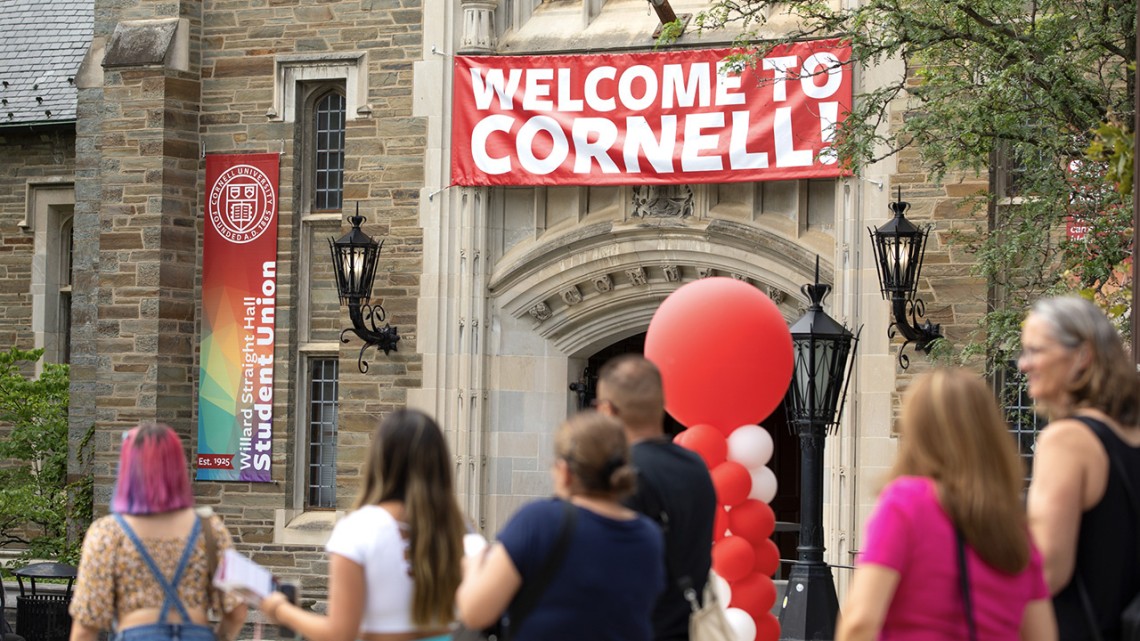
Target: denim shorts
{"x": 166, "y": 632}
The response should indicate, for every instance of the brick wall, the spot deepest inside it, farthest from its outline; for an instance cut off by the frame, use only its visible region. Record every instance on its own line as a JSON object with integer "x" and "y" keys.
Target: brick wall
{"x": 140, "y": 185}
{"x": 38, "y": 155}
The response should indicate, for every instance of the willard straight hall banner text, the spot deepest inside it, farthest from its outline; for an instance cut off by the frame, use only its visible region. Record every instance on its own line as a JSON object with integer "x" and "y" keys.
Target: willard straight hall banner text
{"x": 658, "y": 117}
{"x": 239, "y": 309}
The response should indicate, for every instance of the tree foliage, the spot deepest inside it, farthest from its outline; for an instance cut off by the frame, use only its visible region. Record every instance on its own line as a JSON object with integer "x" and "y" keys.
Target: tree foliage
{"x": 34, "y": 490}
{"x": 983, "y": 85}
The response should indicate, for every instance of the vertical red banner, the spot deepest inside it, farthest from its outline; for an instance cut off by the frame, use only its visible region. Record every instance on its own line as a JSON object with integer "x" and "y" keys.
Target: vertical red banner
{"x": 239, "y": 309}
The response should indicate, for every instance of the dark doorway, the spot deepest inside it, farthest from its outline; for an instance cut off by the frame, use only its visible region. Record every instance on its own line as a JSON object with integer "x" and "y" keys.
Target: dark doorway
{"x": 785, "y": 461}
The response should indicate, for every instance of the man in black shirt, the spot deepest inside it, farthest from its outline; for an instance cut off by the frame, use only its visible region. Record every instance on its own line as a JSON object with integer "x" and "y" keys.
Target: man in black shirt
{"x": 673, "y": 486}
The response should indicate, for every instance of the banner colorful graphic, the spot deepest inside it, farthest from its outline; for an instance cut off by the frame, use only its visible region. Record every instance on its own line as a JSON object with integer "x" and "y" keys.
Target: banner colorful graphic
{"x": 239, "y": 304}
{"x": 656, "y": 117}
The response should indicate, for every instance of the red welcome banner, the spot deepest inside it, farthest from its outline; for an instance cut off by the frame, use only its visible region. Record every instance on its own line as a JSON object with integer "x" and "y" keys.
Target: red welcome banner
{"x": 239, "y": 310}
{"x": 649, "y": 118}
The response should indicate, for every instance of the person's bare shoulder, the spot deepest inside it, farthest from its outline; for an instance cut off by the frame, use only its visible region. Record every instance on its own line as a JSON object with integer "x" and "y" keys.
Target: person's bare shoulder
{"x": 1068, "y": 434}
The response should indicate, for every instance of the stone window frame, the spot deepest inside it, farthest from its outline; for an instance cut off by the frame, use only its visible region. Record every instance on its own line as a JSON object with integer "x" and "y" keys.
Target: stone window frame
{"x": 304, "y": 525}
{"x": 294, "y": 70}
{"x": 301, "y": 525}
{"x": 49, "y": 215}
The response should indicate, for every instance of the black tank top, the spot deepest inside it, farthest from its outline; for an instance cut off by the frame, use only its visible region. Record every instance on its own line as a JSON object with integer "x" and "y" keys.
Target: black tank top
{"x": 1106, "y": 549}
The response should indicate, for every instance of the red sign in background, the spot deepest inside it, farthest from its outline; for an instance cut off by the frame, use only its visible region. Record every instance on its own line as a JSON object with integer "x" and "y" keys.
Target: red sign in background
{"x": 656, "y": 117}
{"x": 239, "y": 310}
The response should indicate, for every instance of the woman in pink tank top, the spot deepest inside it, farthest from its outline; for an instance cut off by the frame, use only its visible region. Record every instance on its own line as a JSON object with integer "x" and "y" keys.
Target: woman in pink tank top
{"x": 952, "y": 501}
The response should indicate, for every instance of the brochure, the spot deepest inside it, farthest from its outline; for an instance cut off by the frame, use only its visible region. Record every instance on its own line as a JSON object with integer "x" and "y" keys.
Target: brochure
{"x": 241, "y": 575}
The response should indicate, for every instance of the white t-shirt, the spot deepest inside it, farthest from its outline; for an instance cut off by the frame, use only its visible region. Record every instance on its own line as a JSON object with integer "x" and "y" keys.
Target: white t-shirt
{"x": 371, "y": 538}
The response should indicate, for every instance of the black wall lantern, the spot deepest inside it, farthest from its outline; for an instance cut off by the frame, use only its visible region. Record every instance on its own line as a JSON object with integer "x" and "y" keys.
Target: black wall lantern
{"x": 354, "y": 258}
{"x": 823, "y": 352}
{"x": 899, "y": 247}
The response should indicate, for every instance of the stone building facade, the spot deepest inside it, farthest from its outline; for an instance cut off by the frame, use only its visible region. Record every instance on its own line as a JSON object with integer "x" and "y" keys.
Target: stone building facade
{"x": 504, "y": 297}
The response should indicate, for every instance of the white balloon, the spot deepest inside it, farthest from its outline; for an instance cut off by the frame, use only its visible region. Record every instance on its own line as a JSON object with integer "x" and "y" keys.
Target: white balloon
{"x": 763, "y": 484}
{"x": 750, "y": 445}
{"x": 722, "y": 589}
{"x": 742, "y": 624}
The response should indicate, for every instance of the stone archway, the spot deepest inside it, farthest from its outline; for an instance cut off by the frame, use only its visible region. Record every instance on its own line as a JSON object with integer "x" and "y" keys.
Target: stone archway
{"x": 595, "y": 289}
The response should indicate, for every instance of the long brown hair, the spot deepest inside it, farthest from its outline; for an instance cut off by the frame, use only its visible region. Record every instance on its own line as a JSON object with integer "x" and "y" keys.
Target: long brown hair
{"x": 1110, "y": 382}
{"x": 953, "y": 432}
{"x": 409, "y": 462}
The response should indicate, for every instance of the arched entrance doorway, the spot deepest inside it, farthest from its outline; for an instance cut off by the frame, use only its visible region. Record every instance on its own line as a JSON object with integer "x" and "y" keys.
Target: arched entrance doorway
{"x": 785, "y": 458}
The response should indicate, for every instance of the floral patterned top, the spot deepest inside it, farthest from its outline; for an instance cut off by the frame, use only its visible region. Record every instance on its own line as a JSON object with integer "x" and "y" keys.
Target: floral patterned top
{"x": 113, "y": 580}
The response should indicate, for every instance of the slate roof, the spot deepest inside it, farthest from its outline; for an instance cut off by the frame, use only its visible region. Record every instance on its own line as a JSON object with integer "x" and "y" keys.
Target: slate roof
{"x": 42, "y": 43}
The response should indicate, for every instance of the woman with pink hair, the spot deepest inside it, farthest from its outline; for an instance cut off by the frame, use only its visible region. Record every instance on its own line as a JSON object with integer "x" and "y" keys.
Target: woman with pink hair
{"x": 146, "y": 568}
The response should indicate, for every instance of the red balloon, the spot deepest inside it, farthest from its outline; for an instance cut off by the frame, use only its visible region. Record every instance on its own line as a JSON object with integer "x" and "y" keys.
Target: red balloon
{"x": 767, "y": 627}
{"x": 720, "y": 523}
{"x": 732, "y": 483}
{"x": 707, "y": 441}
{"x": 732, "y": 558}
{"x": 755, "y": 594}
{"x": 752, "y": 519}
{"x": 724, "y": 352}
{"x": 766, "y": 557}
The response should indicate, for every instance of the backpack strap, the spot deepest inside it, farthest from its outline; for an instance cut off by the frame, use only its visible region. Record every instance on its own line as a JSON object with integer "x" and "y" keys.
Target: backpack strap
{"x": 530, "y": 594}
{"x": 211, "y": 552}
{"x": 964, "y": 584}
{"x": 168, "y": 587}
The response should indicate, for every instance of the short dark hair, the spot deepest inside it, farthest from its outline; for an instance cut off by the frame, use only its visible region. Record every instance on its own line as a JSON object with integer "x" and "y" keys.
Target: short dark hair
{"x": 633, "y": 384}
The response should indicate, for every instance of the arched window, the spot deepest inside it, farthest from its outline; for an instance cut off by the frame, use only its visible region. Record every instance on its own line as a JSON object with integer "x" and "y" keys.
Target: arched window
{"x": 328, "y": 150}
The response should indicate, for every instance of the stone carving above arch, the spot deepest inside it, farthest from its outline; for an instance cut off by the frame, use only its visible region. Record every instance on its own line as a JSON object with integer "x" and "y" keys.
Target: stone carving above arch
{"x": 572, "y": 295}
{"x": 662, "y": 201}
{"x": 540, "y": 311}
{"x": 609, "y": 287}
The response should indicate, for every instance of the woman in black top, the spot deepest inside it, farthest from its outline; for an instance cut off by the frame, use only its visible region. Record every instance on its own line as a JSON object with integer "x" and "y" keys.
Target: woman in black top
{"x": 1080, "y": 515}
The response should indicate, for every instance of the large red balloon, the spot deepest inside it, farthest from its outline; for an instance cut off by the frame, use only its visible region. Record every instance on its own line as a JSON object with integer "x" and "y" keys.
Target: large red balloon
{"x": 707, "y": 441}
{"x": 755, "y": 594}
{"x": 732, "y": 483}
{"x": 732, "y": 558}
{"x": 752, "y": 519}
{"x": 724, "y": 352}
{"x": 767, "y": 627}
{"x": 766, "y": 558}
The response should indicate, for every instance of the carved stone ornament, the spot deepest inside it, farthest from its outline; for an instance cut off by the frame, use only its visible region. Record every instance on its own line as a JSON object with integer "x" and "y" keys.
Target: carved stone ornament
{"x": 636, "y": 276}
{"x": 672, "y": 273}
{"x": 705, "y": 272}
{"x": 662, "y": 201}
{"x": 740, "y": 277}
{"x": 776, "y": 294}
{"x": 478, "y": 26}
{"x": 540, "y": 312}
{"x": 603, "y": 283}
{"x": 572, "y": 296}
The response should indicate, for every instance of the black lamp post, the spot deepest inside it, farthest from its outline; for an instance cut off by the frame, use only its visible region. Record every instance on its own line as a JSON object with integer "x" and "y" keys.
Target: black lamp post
{"x": 354, "y": 258}
{"x": 899, "y": 247}
{"x": 823, "y": 351}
